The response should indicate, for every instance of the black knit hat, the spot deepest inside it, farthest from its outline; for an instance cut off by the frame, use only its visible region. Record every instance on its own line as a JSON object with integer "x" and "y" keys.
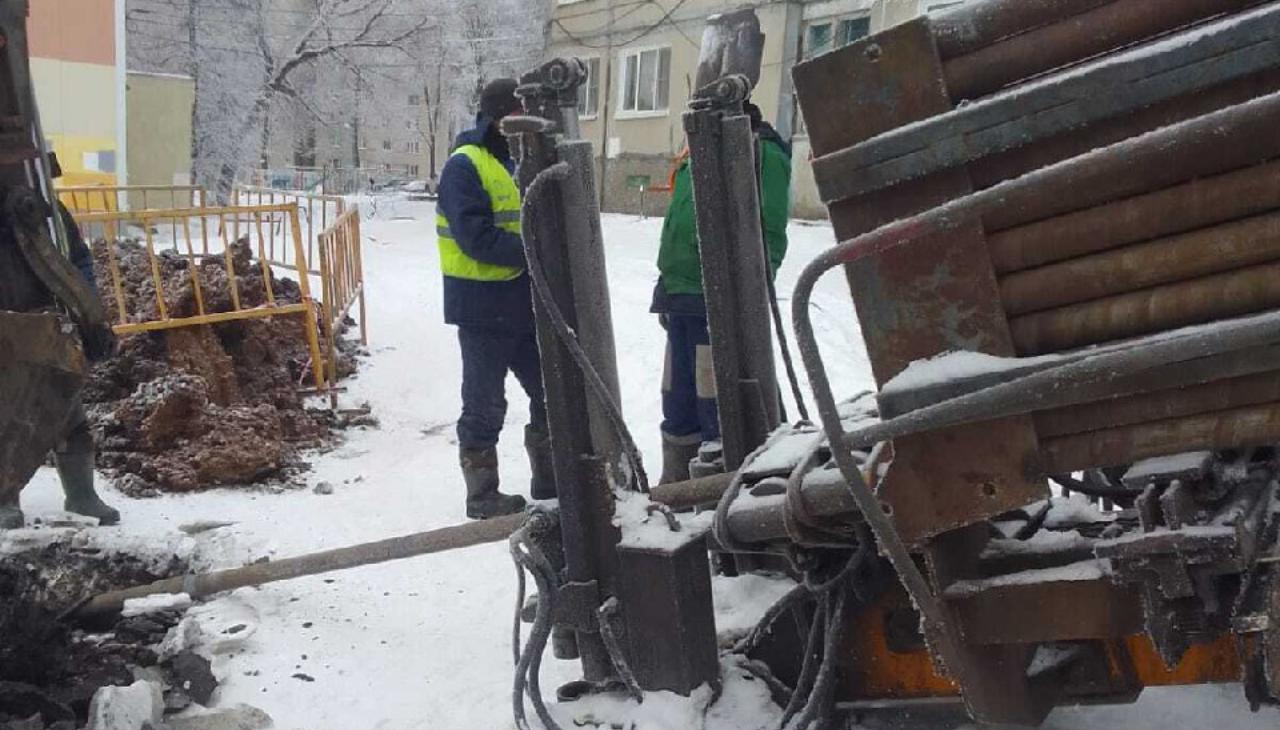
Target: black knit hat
{"x": 498, "y": 99}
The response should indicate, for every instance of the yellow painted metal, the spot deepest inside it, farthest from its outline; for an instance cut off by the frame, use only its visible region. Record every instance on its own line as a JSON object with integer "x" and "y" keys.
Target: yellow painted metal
{"x": 310, "y": 205}
{"x": 283, "y": 215}
{"x": 216, "y": 318}
{"x": 342, "y": 280}
{"x": 106, "y": 198}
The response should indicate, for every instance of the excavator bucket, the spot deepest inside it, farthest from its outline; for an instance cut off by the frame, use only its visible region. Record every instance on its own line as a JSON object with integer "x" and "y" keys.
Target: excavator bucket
{"x": 42, "y": 370}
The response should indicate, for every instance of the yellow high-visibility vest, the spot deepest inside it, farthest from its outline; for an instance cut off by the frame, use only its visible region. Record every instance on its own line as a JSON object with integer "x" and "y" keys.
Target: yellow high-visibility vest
{"x": 504, "y": 197}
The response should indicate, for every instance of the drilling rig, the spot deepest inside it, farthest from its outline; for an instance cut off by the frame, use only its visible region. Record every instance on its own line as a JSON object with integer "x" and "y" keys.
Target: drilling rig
{"x": 1060, "y": 225}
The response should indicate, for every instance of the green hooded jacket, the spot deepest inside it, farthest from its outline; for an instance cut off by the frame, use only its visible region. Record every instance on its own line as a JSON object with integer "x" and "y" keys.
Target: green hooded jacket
{"x": 678, "y": 261}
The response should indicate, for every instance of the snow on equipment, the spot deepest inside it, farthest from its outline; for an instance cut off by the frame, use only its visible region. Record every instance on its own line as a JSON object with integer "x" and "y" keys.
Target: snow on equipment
{"x": 1056, "y": 223}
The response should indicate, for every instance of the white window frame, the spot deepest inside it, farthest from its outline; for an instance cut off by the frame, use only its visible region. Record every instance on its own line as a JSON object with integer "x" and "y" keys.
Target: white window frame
{"x": 623, "y": 55}
{"x": 594, "y": 83}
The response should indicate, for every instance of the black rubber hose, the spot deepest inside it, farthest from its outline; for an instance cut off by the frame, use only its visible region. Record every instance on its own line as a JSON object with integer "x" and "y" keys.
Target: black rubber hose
{"x": 559, "y": 171}
{"x": 529, "y": 664}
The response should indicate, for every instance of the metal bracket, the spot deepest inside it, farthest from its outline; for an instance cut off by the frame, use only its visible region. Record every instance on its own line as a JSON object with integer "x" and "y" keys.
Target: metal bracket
{"x": 550, "y": 91}
{"x": 576, "y": 605}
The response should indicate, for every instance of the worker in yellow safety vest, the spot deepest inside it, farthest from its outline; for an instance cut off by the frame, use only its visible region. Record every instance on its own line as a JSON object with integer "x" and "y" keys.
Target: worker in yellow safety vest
{"x": 486, "y": 295}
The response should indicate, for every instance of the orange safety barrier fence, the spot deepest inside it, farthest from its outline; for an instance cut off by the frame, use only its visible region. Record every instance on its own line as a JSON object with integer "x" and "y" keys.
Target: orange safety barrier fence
{"x": 188, "y": 225}
{"x": 316, "y": 214}
{"x": 81, "y": 199}
{"x": 342, "y": 281}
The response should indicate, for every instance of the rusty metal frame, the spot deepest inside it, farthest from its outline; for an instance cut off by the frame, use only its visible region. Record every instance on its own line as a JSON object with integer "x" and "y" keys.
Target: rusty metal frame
{"x": 1231, "y": 49}
{"x": 939, "y": 220}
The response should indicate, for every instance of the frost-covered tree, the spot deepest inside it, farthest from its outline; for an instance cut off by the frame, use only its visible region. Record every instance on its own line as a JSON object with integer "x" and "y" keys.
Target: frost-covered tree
{"x": 289, "y": 69}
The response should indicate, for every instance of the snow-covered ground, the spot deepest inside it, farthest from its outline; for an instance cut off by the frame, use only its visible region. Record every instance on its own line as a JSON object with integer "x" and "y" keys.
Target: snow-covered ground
{"x": 425, "y": 643}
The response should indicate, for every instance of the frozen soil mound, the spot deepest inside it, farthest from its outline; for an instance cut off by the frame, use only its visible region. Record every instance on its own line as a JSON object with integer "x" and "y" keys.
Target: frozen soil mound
{"x": 49, "y": 670}
{"x": 206, "y": 406}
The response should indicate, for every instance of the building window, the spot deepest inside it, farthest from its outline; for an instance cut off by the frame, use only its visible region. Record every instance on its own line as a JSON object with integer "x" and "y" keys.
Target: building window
{"x": 414, "y": 100}
{"x": 852, "y": 29}
{"x": 817, "y": 40}
{"x": 831, "y": 34}
{"x": 413, "y": 170}
{"x": 646, "y": 80}
{"x": 589, "y": 92}
{"x": 386, "y": 144}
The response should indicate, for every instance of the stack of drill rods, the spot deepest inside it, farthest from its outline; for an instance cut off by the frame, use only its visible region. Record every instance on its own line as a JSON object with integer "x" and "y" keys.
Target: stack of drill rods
{"x": 1092, "y": 168}
{"x": 986, "y": 46}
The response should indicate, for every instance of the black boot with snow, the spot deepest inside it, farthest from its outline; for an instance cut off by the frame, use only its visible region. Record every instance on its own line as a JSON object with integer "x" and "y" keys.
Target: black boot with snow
{"x": 677, "y": 452}
{"x": 75, "y": 469}
{"x": 537, "y": 442}
{"x": 480, "y": 471}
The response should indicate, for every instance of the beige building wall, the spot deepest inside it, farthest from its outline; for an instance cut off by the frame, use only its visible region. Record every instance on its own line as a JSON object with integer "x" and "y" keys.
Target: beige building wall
{"x": 635, "y": 148}
{"x": 159, "y": 130}
{"x": 74, "y": 70}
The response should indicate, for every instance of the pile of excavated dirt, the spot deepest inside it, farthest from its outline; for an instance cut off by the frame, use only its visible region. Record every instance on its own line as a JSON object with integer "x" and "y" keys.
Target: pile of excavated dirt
{"x": 213, "y": 405}
{"x": 50, "y": 670}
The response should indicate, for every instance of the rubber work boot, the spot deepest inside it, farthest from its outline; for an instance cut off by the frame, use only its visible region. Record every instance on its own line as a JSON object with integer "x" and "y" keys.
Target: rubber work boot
{"x": 537, "y": 443}
{"x": 75, "y": 469}
{"x": 480, "y": 471}
{"x": 677, "y": 452}
{"x": 11, "y": 517}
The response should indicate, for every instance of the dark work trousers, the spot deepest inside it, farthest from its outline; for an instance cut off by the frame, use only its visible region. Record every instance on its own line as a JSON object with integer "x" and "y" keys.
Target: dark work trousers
{"x": 689, "y": 380}
{"x": 487, "y": 356}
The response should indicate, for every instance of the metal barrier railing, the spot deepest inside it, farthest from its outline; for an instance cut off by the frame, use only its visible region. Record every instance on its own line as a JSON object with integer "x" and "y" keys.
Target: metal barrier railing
{"x": 342, "y": 281}
{"x": 316, "y": 213}
{"x": 190, "y": 224}
{"x": 80, "y": 199}
{"x": 107, "y": 198}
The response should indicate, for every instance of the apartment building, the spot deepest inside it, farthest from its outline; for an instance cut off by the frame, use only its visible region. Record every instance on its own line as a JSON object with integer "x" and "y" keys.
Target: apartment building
{"x": 78, "y": 70}
{"x": 642, "y": 58}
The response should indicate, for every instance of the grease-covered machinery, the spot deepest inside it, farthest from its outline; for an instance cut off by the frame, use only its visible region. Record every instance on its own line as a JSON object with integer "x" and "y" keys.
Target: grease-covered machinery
{"x": 1060, "y": 223}
{"x": 1061, "y": 230}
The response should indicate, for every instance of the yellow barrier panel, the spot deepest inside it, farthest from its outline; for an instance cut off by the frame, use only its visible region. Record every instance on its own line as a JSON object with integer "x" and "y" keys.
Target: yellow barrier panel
{"x": 316, "y": 214}
{"x": 148, "y": 222}
{"x": 342, "y": 279}
{"x": 107, "y": 198}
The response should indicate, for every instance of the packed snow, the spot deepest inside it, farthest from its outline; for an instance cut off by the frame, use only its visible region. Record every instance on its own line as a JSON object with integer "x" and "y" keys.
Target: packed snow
{"x": 425, "y": 643}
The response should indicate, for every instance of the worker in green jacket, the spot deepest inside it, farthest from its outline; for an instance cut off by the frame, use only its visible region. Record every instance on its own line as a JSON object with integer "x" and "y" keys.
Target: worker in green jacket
{"x": 689, "y": 415}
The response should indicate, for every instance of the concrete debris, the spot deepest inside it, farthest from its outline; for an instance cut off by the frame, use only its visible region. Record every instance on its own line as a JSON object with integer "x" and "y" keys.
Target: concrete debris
{"x": 323, "y": 488}
{"x": 138, "y": 706}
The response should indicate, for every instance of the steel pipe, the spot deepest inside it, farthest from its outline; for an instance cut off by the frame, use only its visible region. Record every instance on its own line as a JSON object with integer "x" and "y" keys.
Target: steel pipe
{"x": 1219, "y": 395}
{"x": 1163, "y": 261}
{"x": 1142, "y": 312}
{"x": 976, "y": 25}
{"x": 1153, "y": 161}
{"x": 1079, "y": 37}
{"x": 1257, "y": 425}
{"x": 1110, "y": 88}
{"x": 1188, "y": 206}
